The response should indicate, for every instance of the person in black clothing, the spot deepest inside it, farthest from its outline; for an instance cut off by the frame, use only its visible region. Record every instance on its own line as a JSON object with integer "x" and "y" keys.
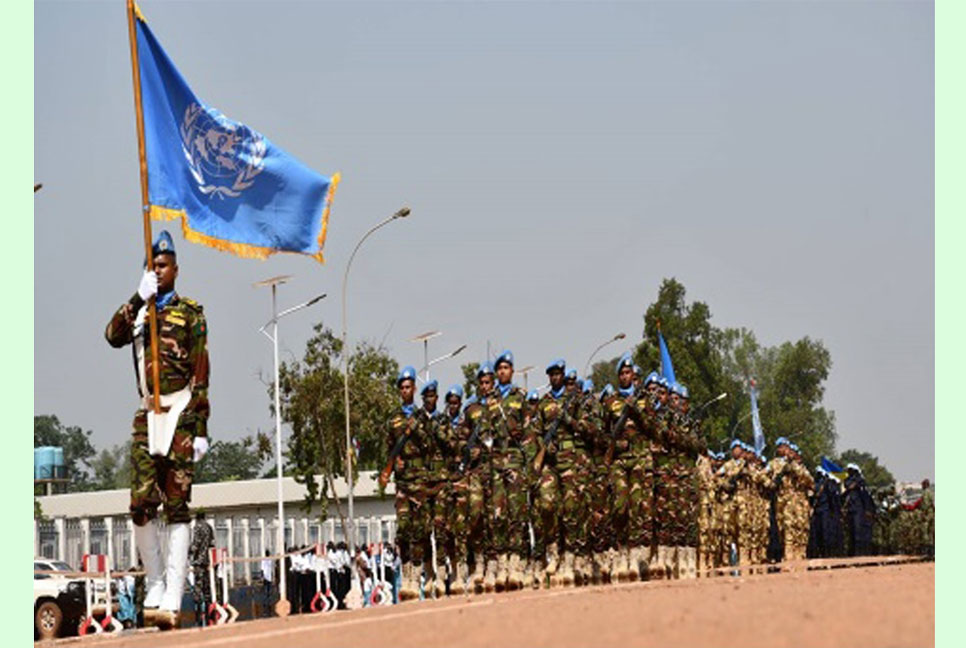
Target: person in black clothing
{"x": 859, "y": 513}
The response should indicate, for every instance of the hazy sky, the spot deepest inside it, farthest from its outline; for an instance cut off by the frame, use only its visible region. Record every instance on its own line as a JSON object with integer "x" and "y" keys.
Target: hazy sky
{"x": 560, "y": 160}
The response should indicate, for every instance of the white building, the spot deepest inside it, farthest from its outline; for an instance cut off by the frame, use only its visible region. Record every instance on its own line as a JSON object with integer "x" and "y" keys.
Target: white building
{"x": 244, "y": 515}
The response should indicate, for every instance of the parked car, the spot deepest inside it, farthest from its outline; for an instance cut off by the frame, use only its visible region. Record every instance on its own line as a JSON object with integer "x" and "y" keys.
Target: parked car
{"x": 59, "y": 603}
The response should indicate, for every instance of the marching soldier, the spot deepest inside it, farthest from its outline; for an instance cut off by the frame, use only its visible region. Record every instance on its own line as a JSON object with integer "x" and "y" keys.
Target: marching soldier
{"x": 630, "y": 474}
{"x": 454, "y": 515}
{"x": 509, "y": 486}
{"x": 704, "y": 469}
{"x": 683, "y": 448}
{"x": 475, "y": 443}
{"x": 551, "y": 415}
{"x": 436, "y": 487}
{"x": 408, "y": 448}
{"x": 163, "y": 455}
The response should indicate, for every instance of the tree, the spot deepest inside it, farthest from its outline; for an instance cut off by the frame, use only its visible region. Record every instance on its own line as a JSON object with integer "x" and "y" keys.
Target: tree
{"x": 312, "y": 404}
{"x": 469, "y": 379}
{"x": 112, "y": 468}
{"x": 78, "y": 449}
{"x": 234, "y": 460}
{"x": 875, "y": 474}
{"x": 604, "y": 372}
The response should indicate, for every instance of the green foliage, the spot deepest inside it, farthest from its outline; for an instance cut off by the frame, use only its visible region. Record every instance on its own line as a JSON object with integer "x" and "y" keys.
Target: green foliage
{"x": 710, "y": 361}
{"x": 469, "y": 379}
{"x": 38, "y": 511}
{"x": 875, "y": 474}
{"x": 313, "y": 405}
{"x": 78, "y": 449}
{"x": 112, "y": 468}
{"x": 603, "y": 372}
{"x": 234, "y": 460}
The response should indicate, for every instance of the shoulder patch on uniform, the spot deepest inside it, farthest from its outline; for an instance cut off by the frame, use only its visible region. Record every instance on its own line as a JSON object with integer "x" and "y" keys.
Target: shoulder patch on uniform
{"x": 200, "y": 327}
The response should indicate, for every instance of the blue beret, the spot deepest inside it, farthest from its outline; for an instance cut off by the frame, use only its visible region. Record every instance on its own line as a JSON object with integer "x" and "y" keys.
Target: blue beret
{"x": 572, "y": 374}
{"x": 485, "y": 368}
{"x": 638, "y": 371}
{"x": 794, "y": 446}
{"x": 506, "y": 356}
{"x": 606, "y": 391}
{"x": 588, "y": 385}
{"x": 559, "y": 363}
{"x": 652, "y": 378}
{"x": 408, "y": 373}
{"x": 533, "y": 395}
{"x": 781, "y": 441}
{"x": 455, "y": 390}
{"x": 735, "y": 442}
{"x": 663, "y": 382}
{"x": 625, "y": 360}
{"x": 431, "y": 385}
{"x": 469, "y": 401}
{"x": 163, "y": 244}
{"x": 679, "y": 389}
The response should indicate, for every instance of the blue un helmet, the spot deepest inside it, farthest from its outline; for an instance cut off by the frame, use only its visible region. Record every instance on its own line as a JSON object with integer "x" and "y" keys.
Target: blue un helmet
{"x": 407, "y": 373}
{"x": 485, "y": 368}
{"x": 559, "y": 363}
{"x": 505, "y": 356}
{"x": 455, "y": 390}
{"x": 432, "y": 385}
{"x": 625, "y": 360}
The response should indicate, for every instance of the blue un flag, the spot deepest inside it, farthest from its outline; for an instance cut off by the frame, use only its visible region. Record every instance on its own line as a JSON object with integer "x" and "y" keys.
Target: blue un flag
{"x": 231, "y": 187}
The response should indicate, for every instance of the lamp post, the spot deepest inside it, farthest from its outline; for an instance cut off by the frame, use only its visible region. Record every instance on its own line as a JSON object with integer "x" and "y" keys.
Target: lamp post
{"x": 282, "y": 607}
{"x": 440, "y": 359}
{"x": 524, "y": 372}
{"x": 402, "y": 213}
{"x": 619, "y": 336}
{"x": 425, "y": 338}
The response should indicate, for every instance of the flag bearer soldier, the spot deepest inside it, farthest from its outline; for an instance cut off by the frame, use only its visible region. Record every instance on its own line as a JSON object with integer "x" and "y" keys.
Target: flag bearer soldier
{"x": 162, "y": 460}
{"x": 509, "y": 486}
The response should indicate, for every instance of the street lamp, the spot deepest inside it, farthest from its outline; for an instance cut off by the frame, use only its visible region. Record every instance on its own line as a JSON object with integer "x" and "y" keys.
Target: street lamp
{"x": 402, "y": 213}
{"x": 440, "y": 359}
{"x": 425, "y": 338}
{"x": 619, "y": 336}
{"x": 274, "y": 282}
{"x": 526, "y": 370}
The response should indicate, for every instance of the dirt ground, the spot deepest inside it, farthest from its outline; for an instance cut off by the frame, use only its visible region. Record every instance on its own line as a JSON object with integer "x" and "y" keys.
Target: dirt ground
{"x": 867, "y": 606}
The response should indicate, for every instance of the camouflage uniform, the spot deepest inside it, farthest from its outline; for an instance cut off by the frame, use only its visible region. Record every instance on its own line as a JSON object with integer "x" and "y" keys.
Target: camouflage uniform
{"x": 797, "y": 511}
{"x": 411, "y": 498}
{"x": 707, "y": 513}
{"x": 631, "y": 477}
{"x": 508, "y": 503}
{"x": 760, "y": 492}
{"x": 203, "y": 539}
{"x": 551, "y": 412}
{"x": 436, "y": 491}
{"x": 472, "y": 488}
{"x": 183, "y": 350}
{"x": 679, "y": 521}
{"x": 736, "y": 481}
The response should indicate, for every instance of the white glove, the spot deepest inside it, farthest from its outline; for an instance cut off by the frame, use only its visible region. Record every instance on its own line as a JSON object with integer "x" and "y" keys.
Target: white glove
{"x": 201, "y": 448}
{"x": 148, "y": 287}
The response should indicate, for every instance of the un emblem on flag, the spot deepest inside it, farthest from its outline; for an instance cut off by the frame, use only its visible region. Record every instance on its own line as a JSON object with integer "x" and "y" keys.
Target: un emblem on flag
{"x": 224, "y": 157}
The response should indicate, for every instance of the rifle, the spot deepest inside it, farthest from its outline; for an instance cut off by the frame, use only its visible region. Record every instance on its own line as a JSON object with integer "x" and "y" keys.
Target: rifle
{"x": 396, "y": 451}
{"x": 619, "y": 424}
{"x": 470, "y": 444}
{"x": 551, "y": 433}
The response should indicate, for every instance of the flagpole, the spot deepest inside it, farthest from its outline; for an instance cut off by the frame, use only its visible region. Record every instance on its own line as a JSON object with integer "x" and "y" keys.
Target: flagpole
{"x": 152, "y": 309}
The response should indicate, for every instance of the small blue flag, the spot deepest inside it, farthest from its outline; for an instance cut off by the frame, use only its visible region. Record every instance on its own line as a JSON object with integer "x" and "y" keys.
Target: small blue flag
{"x": 232, "y": 189}
{"x": 667, "y": 369}
{"x": 831, "y": 466}
{"x": 755, "y": 421}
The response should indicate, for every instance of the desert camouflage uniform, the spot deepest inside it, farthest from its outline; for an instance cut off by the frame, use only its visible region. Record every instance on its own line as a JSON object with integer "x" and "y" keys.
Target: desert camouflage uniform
{"x": 183, "y": 349}
{"x": 797, "y": 512}
{"x": 735, "y": 481}
{"x": 708, "y": 513}
{"x": 762, "y": 486}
